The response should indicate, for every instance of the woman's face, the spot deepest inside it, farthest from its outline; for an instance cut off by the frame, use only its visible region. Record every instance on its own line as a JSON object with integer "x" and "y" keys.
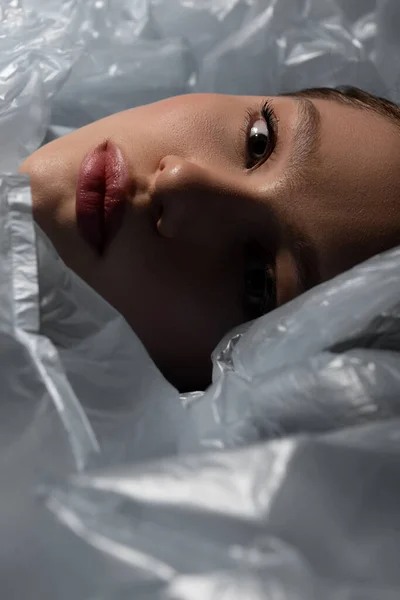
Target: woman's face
{"x": 312, "y": 187}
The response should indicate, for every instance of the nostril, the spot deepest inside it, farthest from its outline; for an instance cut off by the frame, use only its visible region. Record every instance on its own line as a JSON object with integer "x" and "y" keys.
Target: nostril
{"x": 156, "y": 212}
{"x": 167, "y": 162}
{"x": 172, "y": 164}
{"x": 166, "y": 227}
{"x": 173, "y": 190}
{"x": 159, "y": 213}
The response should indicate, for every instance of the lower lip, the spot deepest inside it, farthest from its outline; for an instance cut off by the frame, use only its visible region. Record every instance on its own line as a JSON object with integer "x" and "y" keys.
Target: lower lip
{"x": 100, "y": 195}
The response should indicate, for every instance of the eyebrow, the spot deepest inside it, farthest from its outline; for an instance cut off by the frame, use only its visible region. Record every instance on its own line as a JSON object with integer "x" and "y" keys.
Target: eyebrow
{"x": 304, "y": 153}
{"x": 307, "y": 137}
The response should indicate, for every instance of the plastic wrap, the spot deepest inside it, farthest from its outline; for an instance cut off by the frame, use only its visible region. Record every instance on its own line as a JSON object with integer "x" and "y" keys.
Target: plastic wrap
{"x": 280, "y": 480}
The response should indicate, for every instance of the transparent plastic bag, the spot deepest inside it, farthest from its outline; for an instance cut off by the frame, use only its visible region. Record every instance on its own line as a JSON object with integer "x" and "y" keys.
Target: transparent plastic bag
{"x": 281, "y": 478}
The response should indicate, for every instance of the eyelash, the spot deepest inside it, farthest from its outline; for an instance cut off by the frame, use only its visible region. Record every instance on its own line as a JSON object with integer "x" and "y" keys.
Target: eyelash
{"x": 267, "y": 112}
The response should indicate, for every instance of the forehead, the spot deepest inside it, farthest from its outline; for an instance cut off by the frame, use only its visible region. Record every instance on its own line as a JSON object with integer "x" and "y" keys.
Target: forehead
{"x": 358, "y": 142}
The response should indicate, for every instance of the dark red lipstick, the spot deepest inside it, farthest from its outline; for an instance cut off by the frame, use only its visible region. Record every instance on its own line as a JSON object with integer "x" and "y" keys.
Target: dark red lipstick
{"x": 100, "y": 195}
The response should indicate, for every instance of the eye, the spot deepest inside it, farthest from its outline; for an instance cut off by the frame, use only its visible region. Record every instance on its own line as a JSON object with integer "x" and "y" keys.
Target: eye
{"x": 259, "y": 282}
{"x": 259, "y": 140}
{"x": 261, "y": 135}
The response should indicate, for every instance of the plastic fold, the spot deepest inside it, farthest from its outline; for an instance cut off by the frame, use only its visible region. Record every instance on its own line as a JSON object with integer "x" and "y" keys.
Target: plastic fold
{"x": 281, "y": 479}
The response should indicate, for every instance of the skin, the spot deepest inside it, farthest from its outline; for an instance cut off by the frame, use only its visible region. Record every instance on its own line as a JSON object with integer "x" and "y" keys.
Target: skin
{"x": 175, "y": 269}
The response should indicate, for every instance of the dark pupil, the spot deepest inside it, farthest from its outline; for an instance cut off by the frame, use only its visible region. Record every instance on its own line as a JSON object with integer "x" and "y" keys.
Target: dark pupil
{"x": 258, "y": 144}
{"x": 256, "y": 283}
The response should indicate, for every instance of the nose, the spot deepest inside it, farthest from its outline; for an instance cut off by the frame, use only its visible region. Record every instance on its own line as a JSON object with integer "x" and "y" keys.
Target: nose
{"x": 193, "y": 200}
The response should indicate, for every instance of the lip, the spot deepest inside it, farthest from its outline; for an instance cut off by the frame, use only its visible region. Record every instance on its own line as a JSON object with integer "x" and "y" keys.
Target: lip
{"x": 100, "y": 195}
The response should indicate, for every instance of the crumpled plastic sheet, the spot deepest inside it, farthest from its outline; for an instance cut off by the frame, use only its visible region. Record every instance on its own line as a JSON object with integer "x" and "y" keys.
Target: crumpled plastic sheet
{"x": 281, "y": 479}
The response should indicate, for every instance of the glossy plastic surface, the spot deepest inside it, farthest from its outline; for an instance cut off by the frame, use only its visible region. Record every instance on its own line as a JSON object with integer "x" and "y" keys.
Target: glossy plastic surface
{"x": 280, "y": 480}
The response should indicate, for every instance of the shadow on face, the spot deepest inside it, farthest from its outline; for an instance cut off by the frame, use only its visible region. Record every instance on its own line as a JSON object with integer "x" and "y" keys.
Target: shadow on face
{"x": 232, "y": 205}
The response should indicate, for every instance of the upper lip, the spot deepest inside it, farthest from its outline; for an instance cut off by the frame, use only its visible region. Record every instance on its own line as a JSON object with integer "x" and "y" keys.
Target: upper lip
{"x": 100, "y": 194}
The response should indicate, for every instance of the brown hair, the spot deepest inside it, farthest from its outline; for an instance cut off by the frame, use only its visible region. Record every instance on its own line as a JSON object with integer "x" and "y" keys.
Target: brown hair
{"x": 353, "y": 96}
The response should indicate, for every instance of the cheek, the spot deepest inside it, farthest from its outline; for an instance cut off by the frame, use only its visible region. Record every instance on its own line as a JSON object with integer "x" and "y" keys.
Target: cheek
{"x": 52, "y": 172}
{"x": 176, "y": 328}
{"x": 203, "y": 131}
{"x": 172, "y": 307}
